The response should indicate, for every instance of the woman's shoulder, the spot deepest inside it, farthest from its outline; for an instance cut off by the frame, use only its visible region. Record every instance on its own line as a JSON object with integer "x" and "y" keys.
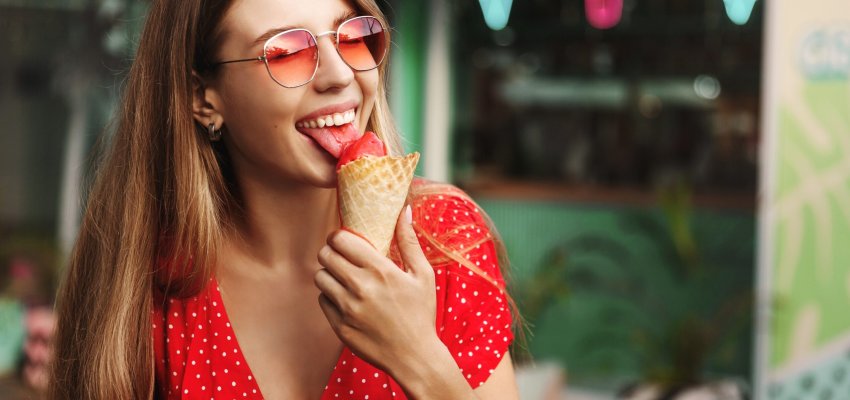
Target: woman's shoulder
{"x": 454, "y": 231}
{"x": 435, "y": 199}
{"x": 422, "y": 189}
{"x": 447, "y": 213}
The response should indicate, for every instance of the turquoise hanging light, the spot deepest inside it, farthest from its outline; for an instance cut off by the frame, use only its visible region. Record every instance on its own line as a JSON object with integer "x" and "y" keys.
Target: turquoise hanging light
{"x": 739, "y": 11}
{"x": 496, "y": 13}
{"x": 603, "y": 14}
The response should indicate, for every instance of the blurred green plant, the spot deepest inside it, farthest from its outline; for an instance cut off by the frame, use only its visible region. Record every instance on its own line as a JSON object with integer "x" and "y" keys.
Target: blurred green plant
{"x": 674, "y": 321}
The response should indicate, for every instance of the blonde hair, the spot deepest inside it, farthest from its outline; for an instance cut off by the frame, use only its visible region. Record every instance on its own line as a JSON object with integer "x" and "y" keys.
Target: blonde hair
{"x": 161, "y": 199}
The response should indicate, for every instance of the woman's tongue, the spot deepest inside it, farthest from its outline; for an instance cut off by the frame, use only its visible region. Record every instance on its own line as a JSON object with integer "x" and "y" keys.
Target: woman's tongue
{"x": 333, "y": 139}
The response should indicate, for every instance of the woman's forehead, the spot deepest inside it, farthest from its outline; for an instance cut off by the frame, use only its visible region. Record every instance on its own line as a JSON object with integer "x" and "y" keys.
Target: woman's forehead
{"x": 250, "y": 19}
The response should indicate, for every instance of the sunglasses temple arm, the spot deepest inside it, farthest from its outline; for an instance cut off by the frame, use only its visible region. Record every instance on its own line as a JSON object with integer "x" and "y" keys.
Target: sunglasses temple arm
{"x": 260, "y": 58}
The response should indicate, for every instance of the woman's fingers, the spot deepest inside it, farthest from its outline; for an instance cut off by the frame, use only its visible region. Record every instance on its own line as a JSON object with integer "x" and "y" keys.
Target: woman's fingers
{"x": 408, "y": 245}
{"x": 358, "y": 251}
{"x": 330, "y": 310}
{"x": 344, "y": 271}
{"x": 331, "y": 288}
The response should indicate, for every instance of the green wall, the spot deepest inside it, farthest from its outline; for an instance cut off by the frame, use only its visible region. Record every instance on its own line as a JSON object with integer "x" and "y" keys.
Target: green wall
{"x": 407, "y": 82}
{"x": 613, "y": 321}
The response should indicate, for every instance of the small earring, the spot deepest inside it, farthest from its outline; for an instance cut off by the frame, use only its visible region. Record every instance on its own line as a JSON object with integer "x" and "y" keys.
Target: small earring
{"x": 214, "y": 134}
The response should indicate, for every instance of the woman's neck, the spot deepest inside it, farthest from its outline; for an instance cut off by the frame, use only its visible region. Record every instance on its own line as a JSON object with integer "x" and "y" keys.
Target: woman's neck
{"x": 282, "y": 230}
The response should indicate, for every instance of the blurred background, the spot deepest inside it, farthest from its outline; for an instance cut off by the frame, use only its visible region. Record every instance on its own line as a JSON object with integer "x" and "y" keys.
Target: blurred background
{"x": 671, "y": 178}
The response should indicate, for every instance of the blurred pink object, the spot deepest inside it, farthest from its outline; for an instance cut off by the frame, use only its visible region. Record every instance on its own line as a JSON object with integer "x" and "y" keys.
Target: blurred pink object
{"x": 603, "y": 14}
{"x": 21, "y": 268}
{"x": 40, "y": 323}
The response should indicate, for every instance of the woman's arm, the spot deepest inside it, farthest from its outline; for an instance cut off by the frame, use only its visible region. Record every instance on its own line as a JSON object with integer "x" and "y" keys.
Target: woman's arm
{"x": 438, "y": 377}
{"x": 502, "y": 383}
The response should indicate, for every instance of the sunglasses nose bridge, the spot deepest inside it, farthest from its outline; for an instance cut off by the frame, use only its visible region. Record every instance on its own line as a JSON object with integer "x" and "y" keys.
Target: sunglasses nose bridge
{"x": 328, "y": 33}
{"x": 336, "y": 54}
{"x": 333, "y": 35}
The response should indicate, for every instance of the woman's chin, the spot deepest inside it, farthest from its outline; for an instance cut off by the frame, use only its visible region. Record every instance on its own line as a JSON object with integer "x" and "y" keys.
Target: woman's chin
{"x": 324, "y": 174}
{"x": 328, "y": 182}
{"x": 323, "y": 165}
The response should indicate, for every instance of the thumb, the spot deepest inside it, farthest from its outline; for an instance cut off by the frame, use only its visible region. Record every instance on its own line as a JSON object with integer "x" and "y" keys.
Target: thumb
{"x": 408, "y": 245}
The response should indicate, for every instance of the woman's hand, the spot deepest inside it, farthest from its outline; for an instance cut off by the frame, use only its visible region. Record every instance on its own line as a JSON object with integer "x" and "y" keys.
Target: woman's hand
{"x": 386, "y": 315}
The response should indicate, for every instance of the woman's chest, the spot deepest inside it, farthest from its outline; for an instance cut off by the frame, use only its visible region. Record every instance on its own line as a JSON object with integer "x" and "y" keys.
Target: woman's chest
{"x": 258, "y": 341}
{"x": 286, "y": 340}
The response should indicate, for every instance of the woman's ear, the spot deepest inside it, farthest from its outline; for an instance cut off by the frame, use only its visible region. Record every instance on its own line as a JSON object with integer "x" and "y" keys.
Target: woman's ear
{"x": 206, "y": 103}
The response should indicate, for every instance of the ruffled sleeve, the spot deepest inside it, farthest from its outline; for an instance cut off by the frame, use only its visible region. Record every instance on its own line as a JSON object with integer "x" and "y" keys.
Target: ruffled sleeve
{"x": 473, "y": 315}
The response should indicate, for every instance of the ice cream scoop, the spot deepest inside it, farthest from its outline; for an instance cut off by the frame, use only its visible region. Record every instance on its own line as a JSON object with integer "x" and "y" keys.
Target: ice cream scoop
{"x": 366, "y": 145}
{"x": 372, "y": 188}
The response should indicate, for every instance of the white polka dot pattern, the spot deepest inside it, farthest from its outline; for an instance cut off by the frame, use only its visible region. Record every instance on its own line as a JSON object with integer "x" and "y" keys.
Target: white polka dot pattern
{"x": 473, "y": 315}
{"x": 198, "y": 356}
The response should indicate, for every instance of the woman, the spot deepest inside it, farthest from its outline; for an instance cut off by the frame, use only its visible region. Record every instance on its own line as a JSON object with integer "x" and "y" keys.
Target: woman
{"x": 214, "y": 217}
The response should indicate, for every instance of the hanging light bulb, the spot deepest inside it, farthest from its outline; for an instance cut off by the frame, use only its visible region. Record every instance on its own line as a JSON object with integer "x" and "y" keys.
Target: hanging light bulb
{"x": 603, "y": 14}
{"x": 496, "y": 13}
{"x": 739, "y": 11}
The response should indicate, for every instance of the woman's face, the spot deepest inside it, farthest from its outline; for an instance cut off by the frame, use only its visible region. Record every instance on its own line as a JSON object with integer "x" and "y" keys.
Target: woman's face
{"x": 267, "y": 132}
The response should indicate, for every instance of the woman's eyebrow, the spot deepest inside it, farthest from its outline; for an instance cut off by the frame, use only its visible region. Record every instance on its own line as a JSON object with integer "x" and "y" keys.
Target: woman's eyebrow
{"x": 274, "y": 31}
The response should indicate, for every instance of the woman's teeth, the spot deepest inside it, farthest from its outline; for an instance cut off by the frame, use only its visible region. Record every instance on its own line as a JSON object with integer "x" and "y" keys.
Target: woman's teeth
{"x": 336, "y": 119}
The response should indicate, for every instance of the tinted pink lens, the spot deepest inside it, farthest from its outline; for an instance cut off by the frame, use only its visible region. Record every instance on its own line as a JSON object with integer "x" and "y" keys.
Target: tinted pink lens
{"x": 292, "y": 57}
{"x": 362, "y": 43}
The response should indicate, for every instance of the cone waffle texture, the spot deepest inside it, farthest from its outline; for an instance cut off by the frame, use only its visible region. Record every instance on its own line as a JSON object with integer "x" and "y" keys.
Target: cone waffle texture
{"x": 372, "y": 191}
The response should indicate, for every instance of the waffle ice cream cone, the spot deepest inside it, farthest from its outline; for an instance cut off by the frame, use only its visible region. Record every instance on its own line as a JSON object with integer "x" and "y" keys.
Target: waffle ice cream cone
{"x": 372, "y": 191}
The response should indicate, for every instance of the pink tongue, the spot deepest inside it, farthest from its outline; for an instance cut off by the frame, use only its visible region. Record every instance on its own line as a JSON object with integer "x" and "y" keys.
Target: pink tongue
{"x": 335, "y": 138}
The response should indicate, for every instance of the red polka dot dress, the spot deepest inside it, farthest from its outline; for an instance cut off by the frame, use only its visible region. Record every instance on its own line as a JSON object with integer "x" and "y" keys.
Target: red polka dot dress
{"x": 197, "y": 355}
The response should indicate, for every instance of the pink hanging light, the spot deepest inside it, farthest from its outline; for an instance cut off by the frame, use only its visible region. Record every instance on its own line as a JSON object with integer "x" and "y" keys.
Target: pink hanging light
{"x": 603, "y": 14}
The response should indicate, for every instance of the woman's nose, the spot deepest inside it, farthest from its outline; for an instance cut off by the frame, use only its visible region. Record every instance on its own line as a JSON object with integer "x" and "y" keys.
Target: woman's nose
{"x": 332, "y": 72}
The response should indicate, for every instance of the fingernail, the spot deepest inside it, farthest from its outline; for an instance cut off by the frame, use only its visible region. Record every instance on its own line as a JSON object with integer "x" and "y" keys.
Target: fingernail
{"x": 408, "y": 214}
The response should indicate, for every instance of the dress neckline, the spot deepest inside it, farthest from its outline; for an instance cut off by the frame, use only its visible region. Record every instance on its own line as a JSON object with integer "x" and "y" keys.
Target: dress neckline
{"x": 215, "y": 295}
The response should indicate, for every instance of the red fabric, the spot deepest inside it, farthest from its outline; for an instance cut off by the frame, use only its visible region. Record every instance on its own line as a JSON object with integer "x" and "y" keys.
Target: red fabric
{"x": 198, "y": 356}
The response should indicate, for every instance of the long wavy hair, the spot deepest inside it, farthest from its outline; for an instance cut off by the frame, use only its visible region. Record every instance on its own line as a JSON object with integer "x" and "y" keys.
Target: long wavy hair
{"x": 162, "y": 197}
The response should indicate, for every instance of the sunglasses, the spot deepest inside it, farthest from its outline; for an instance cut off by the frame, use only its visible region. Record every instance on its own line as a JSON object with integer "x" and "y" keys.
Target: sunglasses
{"x": 292, "y": 57}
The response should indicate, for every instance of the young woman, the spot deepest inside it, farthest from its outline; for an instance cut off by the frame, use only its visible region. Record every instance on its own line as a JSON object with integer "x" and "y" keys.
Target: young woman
{"x": 214, "y": 218}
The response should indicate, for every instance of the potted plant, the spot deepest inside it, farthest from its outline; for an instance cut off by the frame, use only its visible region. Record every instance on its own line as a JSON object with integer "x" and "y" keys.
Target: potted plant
{"x": 656, "y": 328}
